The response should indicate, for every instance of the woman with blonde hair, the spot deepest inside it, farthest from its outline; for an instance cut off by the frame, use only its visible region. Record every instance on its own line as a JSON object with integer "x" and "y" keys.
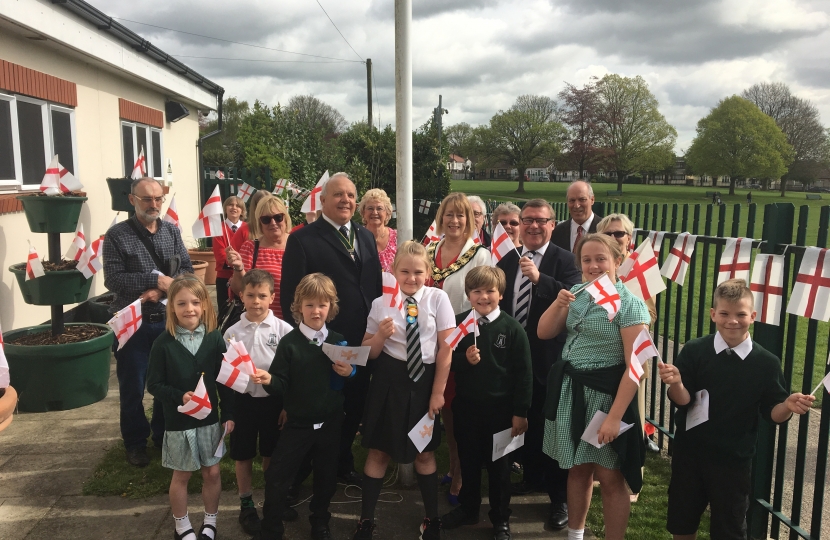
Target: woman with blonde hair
{"x": 375, "y": 208}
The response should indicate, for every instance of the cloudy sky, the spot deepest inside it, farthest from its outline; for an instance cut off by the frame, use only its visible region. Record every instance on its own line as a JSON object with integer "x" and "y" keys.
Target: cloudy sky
{"x": 481, "y": 54}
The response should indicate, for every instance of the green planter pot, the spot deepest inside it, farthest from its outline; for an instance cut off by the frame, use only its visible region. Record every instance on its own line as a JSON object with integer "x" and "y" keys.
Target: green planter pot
{"x": 98, "y": 310}
{"x": 52, "y": 214}
{"x": 59, "y": 377}
{"x": 120, "y": 191}
{"x": 54, "y": 288}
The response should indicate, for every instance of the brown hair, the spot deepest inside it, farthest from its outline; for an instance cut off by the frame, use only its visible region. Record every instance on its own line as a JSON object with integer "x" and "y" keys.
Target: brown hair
{"x": 485, "y": 277}
{"x": 457, "y": 202}
{"x": 732, "y": 291}
{"x": 612, "y": 245}
{"x": 539, "y": 203}
{"x": 233, "y": 199}
{"x": 257, "y": 277}
{"x": 193, "y": 284}
{"x": 412, "y": 248}
{"x": 314, "y": 286}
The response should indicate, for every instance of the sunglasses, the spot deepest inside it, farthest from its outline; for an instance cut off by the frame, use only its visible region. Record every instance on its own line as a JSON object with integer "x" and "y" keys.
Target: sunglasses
{"x": 505, "y": 223}
{"x": 615, "y": 234}
{"x": 265, "y": 220}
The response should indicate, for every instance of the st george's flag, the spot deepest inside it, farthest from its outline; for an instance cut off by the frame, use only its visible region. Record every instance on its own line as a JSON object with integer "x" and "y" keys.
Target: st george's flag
{"x": 644, "y": 349}
{"x": 605, "y": 295}
{"x": 34, "y": 268}
{"x": 767, "y": 286}
{"x": 172, "y": 215}
{"x": 680, "y": 255}
{"x": 500, "y": 245}
{"x": 78, "y": 244}
{"x": 734, "y": 262}
{"x": 209, "y": 222}
{"x": 313, "y": 203}
{"x": 640, "y": 273}
{"x": 126, "y": 322}
{"x": 199, "y": 406}
{"x": 468, "y": 326}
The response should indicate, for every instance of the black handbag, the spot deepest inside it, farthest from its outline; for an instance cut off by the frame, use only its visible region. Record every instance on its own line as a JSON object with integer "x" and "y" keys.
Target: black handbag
{"x": 235, "y": 308}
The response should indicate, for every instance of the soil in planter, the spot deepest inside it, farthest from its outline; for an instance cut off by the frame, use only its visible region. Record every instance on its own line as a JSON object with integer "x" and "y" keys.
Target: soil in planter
{"x": 72, "y": 334}
{"x": 70, "y": 194}
{"x": 49, "y": 266}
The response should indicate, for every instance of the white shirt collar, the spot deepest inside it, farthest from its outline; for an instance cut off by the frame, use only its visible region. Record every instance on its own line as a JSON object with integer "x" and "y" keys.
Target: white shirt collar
{"x": 742, "y": 350}
{"x": 417, "y": 296}
{"x": 586, "y": 225}
{"x": 269, "y": 320}
{"x": 539, "y": 252}
{"x": 492, "y": 316}
{"x": 320, "y": 335}
{"x": 348, "y": 224}
{"x": 230, "y": 223}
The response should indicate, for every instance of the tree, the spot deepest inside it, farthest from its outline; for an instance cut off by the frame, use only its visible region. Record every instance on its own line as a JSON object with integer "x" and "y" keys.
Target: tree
{"x": 526, "y": 132}
{"x": 579, "y": 114}
{"x": 635, "y": 136}
{"x": 220, "y": 150}
{"x": 800, "y": 121}
{"x": 738, "y": 140}
{"x": 459, "y": 138}
{"x": 317, "y": 115}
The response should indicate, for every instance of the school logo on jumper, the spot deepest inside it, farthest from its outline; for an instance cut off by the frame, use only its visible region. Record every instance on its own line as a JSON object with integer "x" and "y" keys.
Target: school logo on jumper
{"x": 272, "y": 340}
{"x": 500, "y": 341}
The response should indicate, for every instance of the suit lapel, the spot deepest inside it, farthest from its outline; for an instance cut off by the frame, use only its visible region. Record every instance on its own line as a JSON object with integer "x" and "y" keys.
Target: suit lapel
{"x": 362, "y": 240}
{"x": 329, "y": 234}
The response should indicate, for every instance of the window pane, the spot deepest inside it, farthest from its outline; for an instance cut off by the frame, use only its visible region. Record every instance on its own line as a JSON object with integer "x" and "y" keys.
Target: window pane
{"x": 127, "y": 144}
{"x": 157, "y": 165}
{"x": 32, "y": 157}
{"x": 141, "y": 142}
{"x": 62, "y": 139}
{"x": 6, "y": 148}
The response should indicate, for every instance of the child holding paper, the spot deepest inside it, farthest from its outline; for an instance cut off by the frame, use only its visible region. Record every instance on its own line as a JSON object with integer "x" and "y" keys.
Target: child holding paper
{"x": 257, "y": 412}
{"x": 410, "y": 361}
{"x": 592, "y": 377}
{"x": 714, "y": 443}
{"x": 493, "y": 388}
{"x": 311, "y": 388}
{"x": 191, "y": 349}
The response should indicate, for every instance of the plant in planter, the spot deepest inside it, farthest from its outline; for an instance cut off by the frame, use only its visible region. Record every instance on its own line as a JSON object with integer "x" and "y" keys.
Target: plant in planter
{"x": 59, "y": 366}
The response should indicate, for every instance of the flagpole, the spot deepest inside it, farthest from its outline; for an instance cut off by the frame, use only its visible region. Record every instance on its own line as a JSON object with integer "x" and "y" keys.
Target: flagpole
{"x": 589, "y": 283}
{"x": 817, "y": 387}
{"x": 224, "y": 229}
{"x": 475, "y": 328}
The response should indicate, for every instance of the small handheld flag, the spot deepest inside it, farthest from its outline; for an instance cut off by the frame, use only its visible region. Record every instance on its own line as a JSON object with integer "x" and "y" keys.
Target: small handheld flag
{"x": 644, "y": 349}
{"x": 232, "y": 377}
{"x": 245, "y": 191}
{"x": 467, "y": 326}
{"x": 199, "y": 406}
{"x": 501, "y": 244}
{"x": 34, "y": 268}
{"x": 90, "y": 262}
{"x": 126, "y": 322}
{"x": 209, "y": 222}
{"x": 140, "y": 167}
{"x": 392, "y": 298}
{"x": 172, "y": 215}
{"x": 605, "y": 295}
{"x": 76, "y": 248}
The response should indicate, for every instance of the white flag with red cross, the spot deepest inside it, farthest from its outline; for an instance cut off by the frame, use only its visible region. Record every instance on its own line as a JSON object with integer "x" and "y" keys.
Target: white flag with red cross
{"x": 140, "y": 167}
{"x": 280, "y": 186}
{"x": 680, "y": 255}
{"x": 232, "y": 377}
{"x": 4, "y": 365}
{"x": 172, "y": 214}
{"x": 78, "y": 244}
{"x": 734, "y": 263}
{"x": 640, "y": 274}
{"x": 34, "y": 268}
{"x": 199, "y": 405}
{"x": 644, "y": 350}
{"x": 656, "y": 238}
{"x": 392, "y": 298}
{"x": 58, "y": 179}
{"x": 811, "y": 292}
{"x": 468, "y": 326}
{"x": 90, "y": 262}
{"x": 476, "y": 237}
{"x": 245, "y": 191}
{"x": 209, "y": 222}
{"x": 431, "y": 235}
{"x": 312, "y": 203}
{"x": 632, "y": 243}
{"x": 126, "y": 322}
{"x": 237, "y": 355}
{"x": 220, "y": 174}
{"x": 501, "y": 244}
{"x": 605, "y": 295}
{"x": 767, "y": 286}
{"x": 423, "y": 207}
{"x": 68, "y": 182}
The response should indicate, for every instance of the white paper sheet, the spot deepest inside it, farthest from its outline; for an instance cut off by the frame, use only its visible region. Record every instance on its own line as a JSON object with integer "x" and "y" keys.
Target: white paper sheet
{"x": 421, "y": 434}
{"x": 351, "y": 355}
{"x": 699, "y": 412}
{"x": 503, "y": 443}
{"x": 220, "y": 450}
{"x": 318, "y": 426}
{"x": 591, "y": 432}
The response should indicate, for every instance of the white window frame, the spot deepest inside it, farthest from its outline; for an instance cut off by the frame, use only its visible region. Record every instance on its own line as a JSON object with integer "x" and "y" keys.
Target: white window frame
{"x": 148, "y": 152}
{"x": 48, "y": 137}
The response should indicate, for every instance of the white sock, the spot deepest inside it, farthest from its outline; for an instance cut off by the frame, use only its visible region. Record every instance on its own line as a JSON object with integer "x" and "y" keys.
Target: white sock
{"x": 210, "y": 519}
{"x": 575, "y": 534}
{"x": 183, "y": 524}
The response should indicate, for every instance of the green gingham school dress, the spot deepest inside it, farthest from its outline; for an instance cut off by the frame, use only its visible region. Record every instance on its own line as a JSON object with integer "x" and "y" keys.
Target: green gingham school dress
{"x": 593, "y": 342}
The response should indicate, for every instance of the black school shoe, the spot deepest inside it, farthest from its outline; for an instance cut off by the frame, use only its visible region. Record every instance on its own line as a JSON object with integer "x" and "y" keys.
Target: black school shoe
{"x": 431, "y": 529}
{"x": 177, "y": 536}
{"x": 501, "y": 531}
{"x": 558, "y": 517}
{"x": 249, "y": 519}
{"x": 365, "y": 529}
{"x": 457, "y": 517}
{"x": 137, "y": 457}
{"x": 203, "y": 536}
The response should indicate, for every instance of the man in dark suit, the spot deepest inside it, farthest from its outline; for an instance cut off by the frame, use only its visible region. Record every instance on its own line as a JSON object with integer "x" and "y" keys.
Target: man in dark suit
{"x": 345, "y": 252}
{"x": 583, "y": 221}
{"x": 533, "y": 283}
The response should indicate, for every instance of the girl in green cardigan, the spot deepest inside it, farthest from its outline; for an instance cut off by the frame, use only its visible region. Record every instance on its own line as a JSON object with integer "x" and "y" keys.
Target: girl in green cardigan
{"x": 191, "y": 349}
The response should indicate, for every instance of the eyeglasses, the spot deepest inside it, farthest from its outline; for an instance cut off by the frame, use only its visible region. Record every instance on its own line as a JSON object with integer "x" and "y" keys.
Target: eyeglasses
{"x": 505, "y": 223}
{"x": 265, "y": 220}
{"x": 373, "y": 209}
{"x": 477, "y": 214}
{"x": 540, "y": 221}
{"x": 615, "y": 234}
{"x": 148, "y": 200}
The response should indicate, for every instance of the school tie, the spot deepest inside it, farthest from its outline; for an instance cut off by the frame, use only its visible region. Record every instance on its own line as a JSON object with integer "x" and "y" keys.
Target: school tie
{"x": 578, "y": 236}
{"x": 414, "y": 362}
{"x": 483, "y": 321}
{"x": 523, "y": 299}
{"x": 233, "y": 228}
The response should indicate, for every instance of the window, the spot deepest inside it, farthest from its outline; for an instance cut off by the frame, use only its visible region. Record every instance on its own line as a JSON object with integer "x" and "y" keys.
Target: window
{"x": 31, "y": 132}
{"x": 134, "y": 138}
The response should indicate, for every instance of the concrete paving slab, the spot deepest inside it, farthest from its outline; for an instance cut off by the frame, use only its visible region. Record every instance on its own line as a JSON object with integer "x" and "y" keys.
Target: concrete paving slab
{"x": 77, "y": 436}
{"x": 4, "y": 458}
{"x": 45, "y": 475}
{"x": 19, "y": 515}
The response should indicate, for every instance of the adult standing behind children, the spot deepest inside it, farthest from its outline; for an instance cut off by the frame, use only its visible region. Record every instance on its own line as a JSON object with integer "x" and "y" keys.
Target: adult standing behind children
{"x": 741, "y": 381}
{"x": 141, "y": 256}
{"x": 375, "y": 208}
{"x": 243, "y": 233}
{"x": 235, "y": 215}
{"x": 345, "y": 252}
{"x": 480, "y": 217}
{"x": 580, "y": 198}
{"x": 592, "y": 377}
{"x": 533, "y": 282}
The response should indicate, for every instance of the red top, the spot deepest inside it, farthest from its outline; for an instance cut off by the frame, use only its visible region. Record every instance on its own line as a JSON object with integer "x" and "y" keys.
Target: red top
{"x": 298, "y": 227}
{"x": 240, "y": 237}
{"x": 270, "y": 260}
{"x": 387, "y": 256}
{"x": 220, "y": 244}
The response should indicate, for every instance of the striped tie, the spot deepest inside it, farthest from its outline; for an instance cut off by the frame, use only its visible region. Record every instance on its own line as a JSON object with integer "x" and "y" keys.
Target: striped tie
{"x": 523, "y": 299}
{"x": 414, "y": 363}
{"x": 579, "y": 232}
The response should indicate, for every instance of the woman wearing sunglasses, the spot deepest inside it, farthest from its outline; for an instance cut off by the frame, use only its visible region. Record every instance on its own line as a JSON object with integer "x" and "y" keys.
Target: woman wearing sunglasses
{"x": 270, "y": 228}
{"x": 508, "y": 215}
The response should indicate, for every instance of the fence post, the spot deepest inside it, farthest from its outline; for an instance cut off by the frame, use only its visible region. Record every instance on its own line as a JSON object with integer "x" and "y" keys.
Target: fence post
{"x": 778, "y": 229}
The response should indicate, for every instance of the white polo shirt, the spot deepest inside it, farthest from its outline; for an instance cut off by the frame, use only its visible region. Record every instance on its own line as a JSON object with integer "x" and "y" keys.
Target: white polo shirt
{"x": 260, "y": 340}
{"x": 434, "y": 315}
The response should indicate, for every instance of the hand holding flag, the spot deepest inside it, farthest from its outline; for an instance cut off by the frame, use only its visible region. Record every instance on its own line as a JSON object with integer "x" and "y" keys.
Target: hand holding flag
{"x": 198, "y": 406}
{"x": 392, "y": 298}
{"x": 644, "y": 349}
{"x": 468, "y": 325}
{"x": 501, "y": 244}
{"x": 605, "y": 295}
{"x": 239, "y": 358}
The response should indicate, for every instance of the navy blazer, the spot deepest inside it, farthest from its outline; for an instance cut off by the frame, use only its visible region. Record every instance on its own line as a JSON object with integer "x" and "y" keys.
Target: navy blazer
{"x": 317, "y": 248}
{"x": 557, "y": 271}
{"x": 561, "y": 235}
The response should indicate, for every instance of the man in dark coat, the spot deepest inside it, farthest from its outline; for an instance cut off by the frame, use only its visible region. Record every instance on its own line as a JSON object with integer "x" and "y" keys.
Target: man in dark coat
{"x": 583, "y": 221}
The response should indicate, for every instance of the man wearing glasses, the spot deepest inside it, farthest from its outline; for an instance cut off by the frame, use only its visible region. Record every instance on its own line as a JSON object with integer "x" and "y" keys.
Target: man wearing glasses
{"x": 141, "y": 256}
{"x": 580, "y": 201}
{"x": 533, "y": 283}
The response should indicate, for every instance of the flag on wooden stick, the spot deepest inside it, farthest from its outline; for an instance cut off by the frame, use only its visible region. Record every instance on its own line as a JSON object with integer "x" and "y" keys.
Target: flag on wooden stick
{"x": 90, "y": 263}
{"x": 209, "y": 222}
{"x": 468, "y": 326}
{"x": 392, "y": 298}
{"x": 172, "y": 215}
{"x": 34, "y": 268}
{"x": 313, "y": 203}
{"x": 140, "y": 167}
{"x": 644, "y": 350}
{"x": 605, "y": 295}
{"x": 501, "y": 244}
{"x": 199, "y": 406}
{"x": 78, "y": 244}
